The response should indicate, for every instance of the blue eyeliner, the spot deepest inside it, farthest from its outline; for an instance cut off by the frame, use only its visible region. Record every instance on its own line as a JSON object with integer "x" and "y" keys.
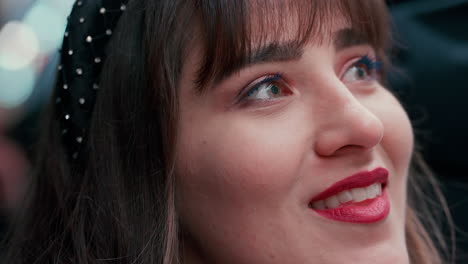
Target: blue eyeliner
{"x": 369, "y": 63}
{"x": 267, "y": 79}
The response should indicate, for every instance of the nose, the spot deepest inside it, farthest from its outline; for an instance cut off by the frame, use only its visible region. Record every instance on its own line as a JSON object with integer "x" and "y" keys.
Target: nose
{"x": 349, "y": 126}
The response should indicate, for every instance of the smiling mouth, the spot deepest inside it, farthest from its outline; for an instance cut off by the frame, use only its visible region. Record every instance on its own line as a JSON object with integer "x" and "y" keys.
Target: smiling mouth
{"x": 349, "y": 197}
{"x": 361, "y": 198}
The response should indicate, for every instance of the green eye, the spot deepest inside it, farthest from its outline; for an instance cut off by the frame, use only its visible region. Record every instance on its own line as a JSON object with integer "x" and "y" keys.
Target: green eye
{"x": 265, "y": 91}
{"x": 268, "y": 88}
{"x": 274, "y": 89}
{"x": 365, "y": 69}
{"x": 361, "y": 73}
{"x": 356, "y": 73}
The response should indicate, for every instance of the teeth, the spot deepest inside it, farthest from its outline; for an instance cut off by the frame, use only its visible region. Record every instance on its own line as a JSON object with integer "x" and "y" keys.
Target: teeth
{"x": 332, "y": 202}
{"x": 359, "y": 194}
{"x": 345, "y": 196}
{"x": 355, "y": 195}
{"x": 319, "y": 205}
{"x": 379, "y": 189}
{"x": 371, "y": 191}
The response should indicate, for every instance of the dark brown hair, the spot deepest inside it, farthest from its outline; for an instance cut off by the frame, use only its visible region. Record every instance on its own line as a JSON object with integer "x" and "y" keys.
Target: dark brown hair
{"x": 122, "y": 209}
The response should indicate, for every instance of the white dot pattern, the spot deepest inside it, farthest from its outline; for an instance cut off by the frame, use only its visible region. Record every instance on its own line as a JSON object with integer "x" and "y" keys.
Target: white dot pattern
{"x": 90, "y": 25}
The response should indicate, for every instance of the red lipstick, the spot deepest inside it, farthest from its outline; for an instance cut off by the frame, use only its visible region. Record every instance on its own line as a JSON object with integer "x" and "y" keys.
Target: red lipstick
{"x": 366, "y": 211}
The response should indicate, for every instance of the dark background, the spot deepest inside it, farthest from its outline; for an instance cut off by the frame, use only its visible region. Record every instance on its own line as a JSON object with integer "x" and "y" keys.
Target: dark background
{"x": 431, "y": 37}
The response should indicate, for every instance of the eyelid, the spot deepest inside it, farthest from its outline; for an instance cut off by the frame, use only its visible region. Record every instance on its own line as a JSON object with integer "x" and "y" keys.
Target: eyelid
{"x": 256, "y": 83}
{"x": 370, "y": 63}
{"x": 368, "y": 60}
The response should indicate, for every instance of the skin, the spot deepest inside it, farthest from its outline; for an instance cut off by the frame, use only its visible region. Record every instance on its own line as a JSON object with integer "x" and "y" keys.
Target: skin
{"x": 246, "y": 172}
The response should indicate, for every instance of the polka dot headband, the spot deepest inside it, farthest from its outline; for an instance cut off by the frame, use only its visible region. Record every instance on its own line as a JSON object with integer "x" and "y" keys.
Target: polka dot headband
{"x": 90, "y": 26}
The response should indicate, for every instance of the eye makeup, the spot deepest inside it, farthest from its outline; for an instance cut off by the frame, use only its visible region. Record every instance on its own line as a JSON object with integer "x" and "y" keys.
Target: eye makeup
{"x": 361, "y": 69}
{"x": 370, "y": 63}
{"x": 272, "y": 85}
{"x": 270, "y": 88}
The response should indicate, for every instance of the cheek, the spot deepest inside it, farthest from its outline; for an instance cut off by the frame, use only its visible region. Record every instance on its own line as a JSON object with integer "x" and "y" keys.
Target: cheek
{"x": 397, "y": 149}
{"x": 240, "y": 160}
{"x": 234, "y": 176}
{"x": 398, "y": 140}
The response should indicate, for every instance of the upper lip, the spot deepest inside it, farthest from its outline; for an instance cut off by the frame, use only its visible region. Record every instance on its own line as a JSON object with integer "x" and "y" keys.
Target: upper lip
{"x": 358, "y": 180}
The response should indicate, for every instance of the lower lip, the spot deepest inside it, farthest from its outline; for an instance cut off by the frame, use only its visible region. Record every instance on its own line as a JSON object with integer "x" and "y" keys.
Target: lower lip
{"x": 365, "y": 212}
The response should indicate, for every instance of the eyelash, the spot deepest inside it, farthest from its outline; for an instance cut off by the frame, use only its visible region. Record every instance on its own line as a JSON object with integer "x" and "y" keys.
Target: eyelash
{"x": 373, "y": 66}
{"x": 268, "y": 79}
{"x": 369, "y": 62}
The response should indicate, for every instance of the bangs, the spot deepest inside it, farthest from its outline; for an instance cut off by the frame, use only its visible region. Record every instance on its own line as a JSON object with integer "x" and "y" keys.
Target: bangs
{"x": 232, "y": 30}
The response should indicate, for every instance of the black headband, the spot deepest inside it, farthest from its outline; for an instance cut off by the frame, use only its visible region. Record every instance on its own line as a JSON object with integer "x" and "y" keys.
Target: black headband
{"x": 90, "y": 26}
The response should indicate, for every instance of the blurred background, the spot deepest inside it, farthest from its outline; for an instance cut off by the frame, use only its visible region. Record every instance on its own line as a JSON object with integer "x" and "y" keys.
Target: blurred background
{"x": 431, "y": 80}
{"x": 31, "y": 33}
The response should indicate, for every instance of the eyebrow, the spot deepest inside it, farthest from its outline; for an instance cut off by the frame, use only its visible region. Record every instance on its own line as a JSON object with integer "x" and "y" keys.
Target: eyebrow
{"x": 293, "y": 50}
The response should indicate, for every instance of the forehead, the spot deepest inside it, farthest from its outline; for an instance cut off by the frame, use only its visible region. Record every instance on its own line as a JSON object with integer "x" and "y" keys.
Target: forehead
{"x": 310, "y": 22}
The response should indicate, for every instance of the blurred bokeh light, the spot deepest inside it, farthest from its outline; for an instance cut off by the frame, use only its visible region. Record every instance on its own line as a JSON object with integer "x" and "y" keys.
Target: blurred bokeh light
{"x": 19, "y": 46}
{"x": 27, "y": 39}
{"x": 48, "y": 23}
{"x": 17, "y": 85}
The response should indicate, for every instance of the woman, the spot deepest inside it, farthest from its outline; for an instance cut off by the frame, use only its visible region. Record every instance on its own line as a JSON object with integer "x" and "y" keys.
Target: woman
{"x": 230, "y": 132}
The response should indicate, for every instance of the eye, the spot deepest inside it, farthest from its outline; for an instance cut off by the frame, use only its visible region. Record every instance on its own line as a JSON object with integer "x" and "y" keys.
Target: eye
{"x": 365, "y": 69}
{"x": 268, "y": 88}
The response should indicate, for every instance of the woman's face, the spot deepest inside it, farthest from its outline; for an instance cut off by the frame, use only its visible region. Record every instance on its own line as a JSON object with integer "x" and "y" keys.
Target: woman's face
{"x": 257, "y": 151}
